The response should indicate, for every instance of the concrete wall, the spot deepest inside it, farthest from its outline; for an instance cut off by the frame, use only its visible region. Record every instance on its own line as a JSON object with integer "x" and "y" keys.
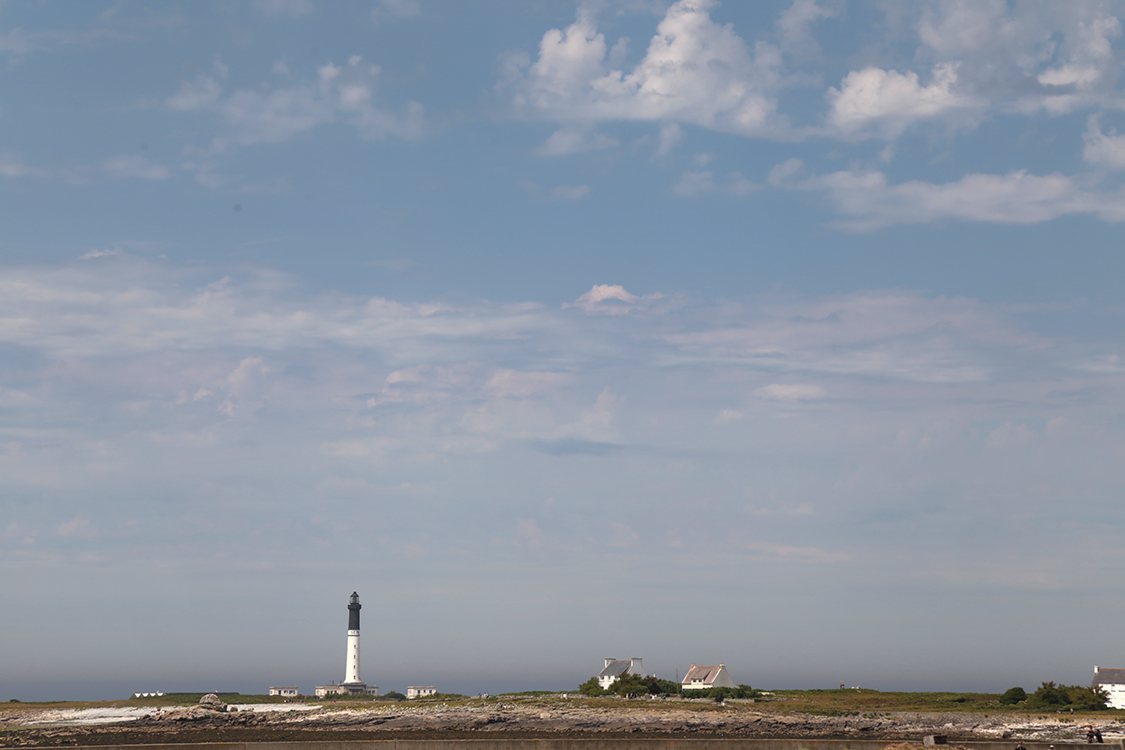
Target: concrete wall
{"x": 589, "y": 744}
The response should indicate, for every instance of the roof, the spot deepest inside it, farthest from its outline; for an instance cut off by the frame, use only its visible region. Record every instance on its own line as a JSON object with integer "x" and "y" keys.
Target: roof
{"x": 705, "y": 674}
{"x": 1105, "y": 676}
{"x": 616, "y": 668}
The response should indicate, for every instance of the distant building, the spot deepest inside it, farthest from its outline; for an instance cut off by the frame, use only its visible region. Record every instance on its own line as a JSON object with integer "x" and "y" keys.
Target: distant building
{"x": 703, "y": 677}
{"x": 415, "y": 691}
{"x": 1112, "y": 681}
{"x": 615, "y": 668}
{"x": 147, "y": 695}
{"x": 285, "y": 692}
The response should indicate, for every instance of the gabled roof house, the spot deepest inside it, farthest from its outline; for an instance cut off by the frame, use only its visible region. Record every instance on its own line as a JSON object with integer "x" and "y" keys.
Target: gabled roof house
{"x": 615, "y": 668}
{"x": 1112, "y": 681}
{"x": 703, "y": 677}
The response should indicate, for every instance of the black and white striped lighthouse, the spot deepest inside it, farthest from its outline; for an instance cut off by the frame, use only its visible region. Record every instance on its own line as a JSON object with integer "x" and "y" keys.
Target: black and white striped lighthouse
{"x": 351, "y": 670}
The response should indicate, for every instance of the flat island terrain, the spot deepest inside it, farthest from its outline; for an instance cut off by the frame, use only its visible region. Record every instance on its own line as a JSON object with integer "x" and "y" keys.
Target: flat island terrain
{"x": 828, "y": 714}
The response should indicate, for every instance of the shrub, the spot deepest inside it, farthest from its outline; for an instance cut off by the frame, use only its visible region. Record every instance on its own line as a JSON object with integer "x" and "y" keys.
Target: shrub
{"x": 393, "y": 695}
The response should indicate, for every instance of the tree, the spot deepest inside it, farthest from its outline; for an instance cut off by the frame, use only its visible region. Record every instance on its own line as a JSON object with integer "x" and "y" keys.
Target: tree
{"x": 1013, "y": 696}
{"x": 1087, "y": 699}
{"x": 1048, "y": 695}
{"x": 591, "y": 688}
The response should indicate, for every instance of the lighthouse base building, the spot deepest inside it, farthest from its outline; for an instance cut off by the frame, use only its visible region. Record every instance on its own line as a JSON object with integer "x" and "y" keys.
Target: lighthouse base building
{"x": 354, "y": 688}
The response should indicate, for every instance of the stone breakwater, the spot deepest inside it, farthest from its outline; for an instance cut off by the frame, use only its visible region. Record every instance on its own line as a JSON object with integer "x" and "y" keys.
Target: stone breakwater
{"x": 32, "y": 727}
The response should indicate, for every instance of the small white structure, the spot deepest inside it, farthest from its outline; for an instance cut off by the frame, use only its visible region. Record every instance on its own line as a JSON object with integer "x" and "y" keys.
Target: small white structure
{"x": 414, "y": 691}
{"x": 615, "y": 668}
{"x": 703, "y": 677}
{"x": 1112, "y": 681}
{"x": 147, "y": 695}
{"x": 285, "y": 692}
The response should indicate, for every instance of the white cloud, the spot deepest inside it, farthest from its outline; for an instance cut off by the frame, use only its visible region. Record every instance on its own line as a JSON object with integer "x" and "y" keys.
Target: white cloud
{"x": 670, "y": 136}
{"x": 1103, "y": 151}
{"x": 1026, "y": 56}
{"x": 694, "y": 71}
{"x": 576, "y": 141}
{"x": 887, "y": 102}
{"x": 1090, "y": 56}
{"x": 513, "y": 384}
{"x": 791, "y": 392}
{"x": 889, "y": 335}
{"x": 611, "y": 299}
{"x": 136, "y": 166}
{"x": 867, "y": 201}
{"x": 703, "y": 183}
{"x": 793, "y": 25}
{"x": 275, "y": 114}
{"x": 13, "y": 167}
{"x": 102, "y": 253}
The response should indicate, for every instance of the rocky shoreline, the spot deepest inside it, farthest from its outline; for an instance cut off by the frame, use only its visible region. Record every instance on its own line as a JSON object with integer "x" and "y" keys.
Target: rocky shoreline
{"x": 212, "y": 723}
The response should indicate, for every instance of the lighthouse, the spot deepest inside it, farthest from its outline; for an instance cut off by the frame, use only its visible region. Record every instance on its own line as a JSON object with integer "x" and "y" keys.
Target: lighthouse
{"x": 352, "y": 684}
{"x": 351, "y": 667}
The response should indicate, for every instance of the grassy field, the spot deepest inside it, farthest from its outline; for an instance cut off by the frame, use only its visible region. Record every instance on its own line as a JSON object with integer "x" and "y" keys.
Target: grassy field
{"x": 847, "y": 702}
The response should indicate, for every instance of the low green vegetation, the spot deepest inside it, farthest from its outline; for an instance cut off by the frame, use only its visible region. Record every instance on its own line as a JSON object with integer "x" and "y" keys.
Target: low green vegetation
{"x": 1052, "y": 696}
{"x": 635, "y": 685}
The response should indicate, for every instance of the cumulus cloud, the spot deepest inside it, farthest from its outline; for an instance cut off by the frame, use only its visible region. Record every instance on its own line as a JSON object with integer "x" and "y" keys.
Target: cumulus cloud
{"x": 611, "y": 299}
{"x": 887, "y": 102}
{"x": 1026, "y": 56}
{"x": 275, "y": 114}
{"x": 695, "y": 71}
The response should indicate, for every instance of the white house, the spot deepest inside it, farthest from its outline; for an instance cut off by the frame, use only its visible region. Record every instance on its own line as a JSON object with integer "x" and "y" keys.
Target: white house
{"x": 415, "y": 691}
{"x": 286, "y": 692}
{"x": 703, "y": 677}
{"x": 1112, "y": 681}
{"x": 615, "y": 668}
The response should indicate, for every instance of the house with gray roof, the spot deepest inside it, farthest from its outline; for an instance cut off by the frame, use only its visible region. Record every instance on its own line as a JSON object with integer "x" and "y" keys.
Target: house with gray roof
{"x": 615, "y": 668}
{"x": 703, "y": 677}
{"x": 1112, "y": 681}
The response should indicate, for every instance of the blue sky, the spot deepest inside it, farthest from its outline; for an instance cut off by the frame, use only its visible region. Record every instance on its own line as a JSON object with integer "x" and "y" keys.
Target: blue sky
{"x": 785, "y": 335}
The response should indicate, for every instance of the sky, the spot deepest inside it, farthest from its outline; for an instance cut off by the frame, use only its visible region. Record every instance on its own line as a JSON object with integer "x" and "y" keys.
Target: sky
{"x": 785, "y": 335}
